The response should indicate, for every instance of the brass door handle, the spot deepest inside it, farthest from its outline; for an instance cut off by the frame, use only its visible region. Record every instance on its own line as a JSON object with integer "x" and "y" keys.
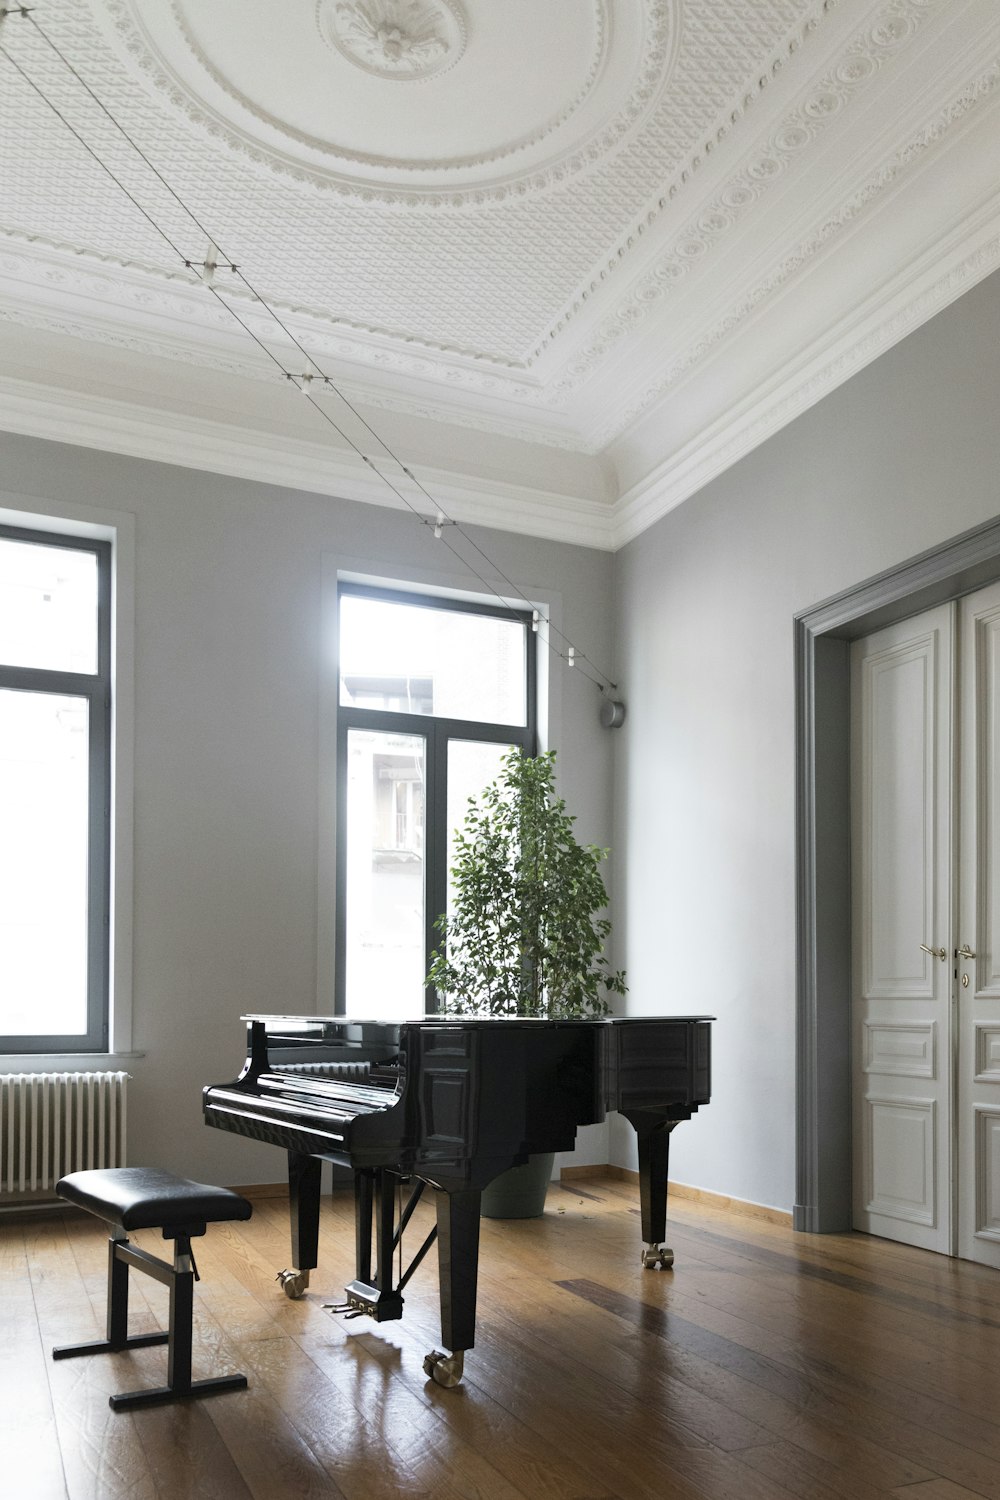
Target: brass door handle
{"x": 934, "y": 952}
{"x": 965, "y": 951}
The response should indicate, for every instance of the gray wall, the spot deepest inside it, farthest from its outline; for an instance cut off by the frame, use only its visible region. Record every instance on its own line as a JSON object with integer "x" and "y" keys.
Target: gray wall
{"x": 227, "y": 750}
{"x": 901, "y": 458}
{"x": 227, "y": 738}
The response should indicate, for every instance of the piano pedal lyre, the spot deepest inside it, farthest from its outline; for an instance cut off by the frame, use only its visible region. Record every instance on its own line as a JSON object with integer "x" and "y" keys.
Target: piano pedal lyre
{"x": 445, "y": 1369}
{"x": 293, "y": 1283}
{"x": 657, "y": 1257}
{"x": 346, "y": 1310}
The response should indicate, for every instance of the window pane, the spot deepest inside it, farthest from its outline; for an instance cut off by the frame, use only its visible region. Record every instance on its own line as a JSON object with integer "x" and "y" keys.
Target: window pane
{"x": 384, "y": 928}
{"x": 472, "y": 765}
{"x": 417, "y": 660}
{"x": 48, "y": 607}
{"x": 43, "y": 864}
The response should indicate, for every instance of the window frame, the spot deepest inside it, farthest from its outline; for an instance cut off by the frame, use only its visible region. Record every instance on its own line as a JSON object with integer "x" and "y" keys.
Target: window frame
{"x": 96, "y": 689}
{"x": 438, "y": 732}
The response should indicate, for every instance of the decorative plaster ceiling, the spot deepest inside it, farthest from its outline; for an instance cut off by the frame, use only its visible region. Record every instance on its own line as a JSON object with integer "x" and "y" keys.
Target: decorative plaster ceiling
{"x": 621, "y": 239}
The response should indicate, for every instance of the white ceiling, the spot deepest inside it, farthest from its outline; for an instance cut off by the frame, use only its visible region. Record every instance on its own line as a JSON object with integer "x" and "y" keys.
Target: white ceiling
{"x": 570, "y": 258}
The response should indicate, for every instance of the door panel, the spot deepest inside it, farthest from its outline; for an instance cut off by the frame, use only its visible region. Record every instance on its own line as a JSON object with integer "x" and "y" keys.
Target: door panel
{"x": 978, "y": 987}
{"x": 902, "y": 774}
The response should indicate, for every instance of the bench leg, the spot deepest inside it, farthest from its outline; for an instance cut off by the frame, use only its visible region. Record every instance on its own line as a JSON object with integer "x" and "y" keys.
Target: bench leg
{"x": 117, "y": 1320}
{"x": 180, "y": 1278}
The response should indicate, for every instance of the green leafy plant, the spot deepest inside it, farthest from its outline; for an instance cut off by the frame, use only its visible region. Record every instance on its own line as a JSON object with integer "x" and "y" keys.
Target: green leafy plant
{"x": 524, "y": 937}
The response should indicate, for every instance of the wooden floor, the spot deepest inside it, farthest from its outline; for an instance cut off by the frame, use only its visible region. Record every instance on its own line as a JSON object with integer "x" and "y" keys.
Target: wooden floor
{"x": 764, "y": 1365}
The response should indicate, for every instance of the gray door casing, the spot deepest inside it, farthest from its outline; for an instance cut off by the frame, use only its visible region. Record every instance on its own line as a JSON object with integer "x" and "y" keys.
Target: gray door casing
{"x": 823, "y": 868}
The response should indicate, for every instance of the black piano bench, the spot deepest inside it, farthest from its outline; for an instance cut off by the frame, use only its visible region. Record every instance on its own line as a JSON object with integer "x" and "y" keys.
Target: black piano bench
{"x": 145, "y": 1198}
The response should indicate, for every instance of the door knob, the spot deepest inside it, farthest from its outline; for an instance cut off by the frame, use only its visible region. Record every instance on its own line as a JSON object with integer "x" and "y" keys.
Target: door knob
{"x": 934, "y": 952}
{"x": 965, "y": 951}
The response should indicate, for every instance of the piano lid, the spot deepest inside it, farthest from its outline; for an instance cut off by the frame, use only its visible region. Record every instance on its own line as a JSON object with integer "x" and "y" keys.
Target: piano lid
{"x": 348, "y": 1025}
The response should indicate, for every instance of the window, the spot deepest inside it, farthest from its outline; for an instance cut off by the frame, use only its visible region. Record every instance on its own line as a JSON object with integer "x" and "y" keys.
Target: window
{"x": 432, "y": 693}
{"x": 55, "y": 756}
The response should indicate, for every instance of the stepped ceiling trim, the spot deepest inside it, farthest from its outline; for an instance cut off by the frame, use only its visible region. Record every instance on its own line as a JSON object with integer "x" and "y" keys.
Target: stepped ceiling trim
{"x": 101, "y": 423}
{"x": 858, "y": 64}
{"x": 908, "y": 159}
{"x": 857, "y": 67}
{"x": 563, "y": 273}
{"x": 47, "y": 286}
{"x": 897, "y": 311}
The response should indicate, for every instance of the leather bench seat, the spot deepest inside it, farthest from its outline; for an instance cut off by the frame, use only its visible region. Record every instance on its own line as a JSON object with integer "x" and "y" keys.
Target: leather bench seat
{"x": 151, "y": 1198}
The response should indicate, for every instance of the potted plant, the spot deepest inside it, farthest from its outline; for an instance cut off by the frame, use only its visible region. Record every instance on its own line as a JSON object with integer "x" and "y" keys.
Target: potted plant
{"x": 525, "y": 935}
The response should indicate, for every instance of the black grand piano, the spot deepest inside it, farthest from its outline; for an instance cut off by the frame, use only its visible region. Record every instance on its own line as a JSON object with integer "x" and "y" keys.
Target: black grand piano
{"x": 450, "y": 1104}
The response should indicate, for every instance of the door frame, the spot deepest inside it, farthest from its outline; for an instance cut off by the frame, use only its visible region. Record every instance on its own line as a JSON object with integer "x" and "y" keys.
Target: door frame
{"x": 822, "y": 637}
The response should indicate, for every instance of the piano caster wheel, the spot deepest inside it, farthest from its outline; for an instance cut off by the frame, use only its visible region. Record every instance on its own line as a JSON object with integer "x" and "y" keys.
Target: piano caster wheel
{"x": 445, "y": 1369}
{"x": 293, "y": 1283}
{"x": 657, "y": 1257}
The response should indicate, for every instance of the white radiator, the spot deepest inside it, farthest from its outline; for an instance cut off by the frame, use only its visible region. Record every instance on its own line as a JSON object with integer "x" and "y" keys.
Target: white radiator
{"x": 53, "y": 1123}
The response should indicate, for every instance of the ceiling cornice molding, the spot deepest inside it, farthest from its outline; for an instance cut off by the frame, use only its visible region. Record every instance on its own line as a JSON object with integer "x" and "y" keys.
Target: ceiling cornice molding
{"x": 781, "y": 150}
{"x": 896, "y": 310}
{"x": 474, "y": 388}
{"x": 50, "y": 264}
{"x": 686, "y": 175}
{"x": 159, "y": 436}
{"x": 46, "y": 285}
{"x": 360, "y": 393}
{"x": 906, "y": 161}
{"x": 851, "y": 202}
{"x": 386, "y": 349}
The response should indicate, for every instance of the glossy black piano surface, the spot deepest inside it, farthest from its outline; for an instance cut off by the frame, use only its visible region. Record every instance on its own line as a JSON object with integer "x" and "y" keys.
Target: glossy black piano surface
{"x": 452, "y": 1103}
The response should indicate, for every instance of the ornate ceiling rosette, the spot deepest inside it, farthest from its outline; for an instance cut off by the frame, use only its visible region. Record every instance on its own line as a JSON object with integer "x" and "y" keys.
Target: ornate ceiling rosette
{"x": 514, "y": 98}
{"x": 401, "y": 39}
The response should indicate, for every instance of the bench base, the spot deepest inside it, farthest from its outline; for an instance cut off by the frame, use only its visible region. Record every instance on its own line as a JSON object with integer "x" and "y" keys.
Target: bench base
{"x": 164, "y": 1393}
{"x": 157, "y": 1395}
{"x": 180, "y": 1278}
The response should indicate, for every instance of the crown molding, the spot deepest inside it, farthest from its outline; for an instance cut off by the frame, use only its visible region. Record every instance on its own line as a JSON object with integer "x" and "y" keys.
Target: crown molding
{"x": 63, "y": 289}
{"x": 47, "y": 285}
{"x": 778, "y": 162}
{"x": 805, "y": 239}
{"x": 951, "y": 267}
{"x": 153, "y": 434}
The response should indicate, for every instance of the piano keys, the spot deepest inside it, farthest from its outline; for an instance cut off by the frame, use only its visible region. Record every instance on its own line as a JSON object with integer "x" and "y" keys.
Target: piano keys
{"x": 449, "y": 1104}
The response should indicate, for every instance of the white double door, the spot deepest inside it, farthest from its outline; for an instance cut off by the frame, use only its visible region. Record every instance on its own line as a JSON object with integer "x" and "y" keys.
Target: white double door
{"x": 925, "y": 797}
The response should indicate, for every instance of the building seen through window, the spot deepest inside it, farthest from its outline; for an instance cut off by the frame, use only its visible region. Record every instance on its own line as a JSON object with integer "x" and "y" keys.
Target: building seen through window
{"x": 433, "y": 692}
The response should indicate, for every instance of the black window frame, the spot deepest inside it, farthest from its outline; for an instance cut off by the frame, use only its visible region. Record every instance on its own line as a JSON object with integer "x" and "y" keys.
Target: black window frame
{"x": 96, "y": 689}
{"x": 438, "y": 732}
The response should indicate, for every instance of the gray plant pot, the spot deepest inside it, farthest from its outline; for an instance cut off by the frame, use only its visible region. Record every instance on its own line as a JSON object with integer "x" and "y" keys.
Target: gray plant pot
{"x": 519, "y": 1193}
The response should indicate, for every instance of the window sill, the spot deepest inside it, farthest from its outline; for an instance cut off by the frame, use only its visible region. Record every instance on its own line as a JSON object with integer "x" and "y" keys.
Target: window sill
{"x": 47, "y": 1062}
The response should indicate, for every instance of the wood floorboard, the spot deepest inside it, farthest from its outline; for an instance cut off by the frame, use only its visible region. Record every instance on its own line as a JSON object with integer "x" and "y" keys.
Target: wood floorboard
{"x": 931, "y": 1372}
{"x": 946, "y": 1379}
{"x": 830, "y": 1435}
{"x": 817, "y": 1386}
{"x": 729, "y": 1412}
{"x": 766, "y": 1365}
{"x": 859, "y": 1342}
{"x": 101, "y": 1452}
{"x": 29, "y": 1445}
{"x": 936, "y": 1489}
{"x": 656, "y": 1392}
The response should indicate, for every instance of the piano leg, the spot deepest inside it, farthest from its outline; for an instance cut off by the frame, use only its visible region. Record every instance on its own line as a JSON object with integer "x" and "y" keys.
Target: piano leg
{"x": 303, "y": 1204}
{"x": 364, "y": 1184}
{"x": 458, "y": 1265}
{"x": 654, "y": 1154}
